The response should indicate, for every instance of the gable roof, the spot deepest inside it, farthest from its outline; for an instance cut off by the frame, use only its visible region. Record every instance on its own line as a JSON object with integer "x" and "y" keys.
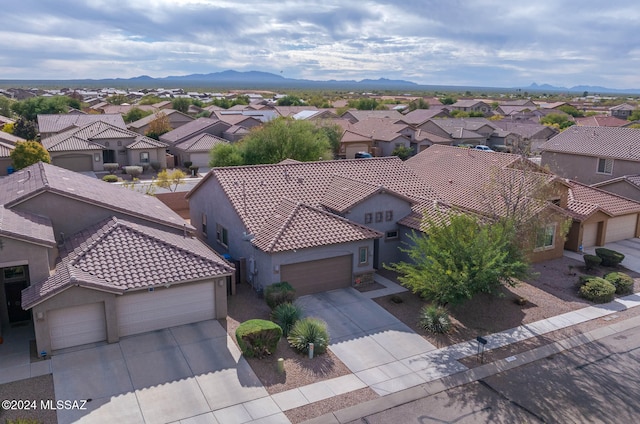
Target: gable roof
{"x": 360, "y": 115}
{"x": 116, "y": 255}
{"x": 585, "y": 200}
{"x": 50, "y": 123}
{"x": 294, "y": 225}
{"x": 343, "y": 193}
{"x": 5, "y": 149}
{"x": 27, "y": 227}
{"x": 200, "y": 143}
{"x": 254, "y": 191}
{"x": 150, "y": 118}
{"x": 44, "y": 178}
{"x": 419, "y": 116}
{"x": 191, "y": 128}
{"x": 10, "y": 138}
{"x": 383, "y": 129}
{"x": 607, "y": 142}
{"x": 601, "y": 121}
{"x": 632, "y": 180}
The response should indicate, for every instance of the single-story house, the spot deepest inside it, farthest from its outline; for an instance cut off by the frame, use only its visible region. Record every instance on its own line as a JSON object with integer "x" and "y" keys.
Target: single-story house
{"x": 85, "y": 261}
{"x": 176, "y": 120}
{"x": 196, "y": 149}
{"x": 52, "y": 124}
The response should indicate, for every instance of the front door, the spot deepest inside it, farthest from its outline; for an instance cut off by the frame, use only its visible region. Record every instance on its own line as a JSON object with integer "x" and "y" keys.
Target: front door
{"x": 13, "y": 294}
{"x": 376, "y": 253}
{"x": 108, "y": 156}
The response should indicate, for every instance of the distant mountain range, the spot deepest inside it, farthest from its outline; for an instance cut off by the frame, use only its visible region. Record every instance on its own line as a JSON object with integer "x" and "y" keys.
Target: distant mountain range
{"x": 264, "y": 80}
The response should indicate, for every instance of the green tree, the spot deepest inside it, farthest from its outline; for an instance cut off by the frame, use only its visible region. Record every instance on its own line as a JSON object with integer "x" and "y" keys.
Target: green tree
{"x": 418, "y": 104}
{"x": 286, "y": 138}
{"x": 170, "y": 180}
{"x": 460, "y": 259}
{"x": 333, "y": 133}
{"x": 290, "y": 100}
{"x": 448, "y": 100}
{"x": 160, "y": 125}
{"x": 226, "y": 154}
{"x": 181, "y": 104}
{"x": 117, "y": 99}
{"x": 5, "y": 107}
{"x": 402, "y": 152}
{"x": 570, "y": 110}
{"x": 557, "y": 120}
{"x": 32, "y": 107}
{"x": 366, "y": 104}
{"x": 26, "y": 129}
{"x": 27, "y": 153}
{"x": 149, "y": 99}
{"x": 635, "y": 115}
{"x": 8, "y": 128}
{"x": 134, "y": 114}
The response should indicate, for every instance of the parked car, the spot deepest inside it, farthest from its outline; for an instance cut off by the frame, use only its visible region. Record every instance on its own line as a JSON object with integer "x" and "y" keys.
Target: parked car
{"x": 483, "y": 148}
{"x": 362, "y": 155}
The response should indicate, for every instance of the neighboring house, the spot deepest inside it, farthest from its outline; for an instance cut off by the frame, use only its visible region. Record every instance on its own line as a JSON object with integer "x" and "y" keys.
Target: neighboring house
{"x": 354, "y": 116}
{"x": 420, "y": 116}
{"x": 86, "y": 261}
{"x": 622, "y": 111}
{"x": 352, "y": 143}
{"x": 476, "y": 181}
{"x": 292, "y": 110}
{"x": 600, "y": 217}
{"x": 593, "y": 155}
{"x": 317, "y": 225}
{"x": 89, "y": 147}
{"x": 176, "y": 120}
{"x": 49, "y": 124}
{"x": 472, "y": 131}
{"x": 507, "y": 110}
{"x": 196, "y": 149}
{"x": 10, "y": 138}
{"x": 601, "y": 121}
{"x": 529, "y": 135}
{"x": 627, "y": 186}
{"x": 471, "y": 106}
{"x": 6, "y": 165}
{"x": 385, "y": 133}
{"x": 191, "y": 129}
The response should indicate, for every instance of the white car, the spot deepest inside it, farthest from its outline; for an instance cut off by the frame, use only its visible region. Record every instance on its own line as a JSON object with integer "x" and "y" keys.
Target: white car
{"x": 483, "y": 148}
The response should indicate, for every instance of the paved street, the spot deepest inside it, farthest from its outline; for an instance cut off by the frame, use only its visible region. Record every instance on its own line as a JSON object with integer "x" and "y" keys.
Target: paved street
{"x": 598, "y": 382}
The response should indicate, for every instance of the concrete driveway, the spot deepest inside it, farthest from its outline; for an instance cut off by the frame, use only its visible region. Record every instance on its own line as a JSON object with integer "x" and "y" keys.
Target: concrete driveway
{"x": 192, "y": 373}
{"x": 378, "y": 348}
{"x": 630, "y": 248}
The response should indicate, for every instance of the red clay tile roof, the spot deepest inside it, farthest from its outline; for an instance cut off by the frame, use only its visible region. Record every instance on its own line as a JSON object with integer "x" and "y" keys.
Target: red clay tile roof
{"x": 40, "y": 177}
{"x": 27, "y": 227}
{"x": 601, "y": 121}
{"x": 294, "y": 225}
{"x": 585, "y": 200}
{"x": 117, "y": 255}
{"x": 606, "y": 142}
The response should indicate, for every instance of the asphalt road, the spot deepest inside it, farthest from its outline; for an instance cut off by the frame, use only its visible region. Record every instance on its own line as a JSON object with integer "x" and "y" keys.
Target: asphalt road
{"x": 594, "y": 383}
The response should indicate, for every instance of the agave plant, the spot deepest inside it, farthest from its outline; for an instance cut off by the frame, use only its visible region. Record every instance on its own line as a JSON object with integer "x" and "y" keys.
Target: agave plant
{"x": 286, "y": 315}
{"x": 435, "y": 319}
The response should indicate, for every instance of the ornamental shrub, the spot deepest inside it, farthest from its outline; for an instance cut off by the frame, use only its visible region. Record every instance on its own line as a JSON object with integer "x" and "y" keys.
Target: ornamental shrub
{"x": 309, "y": 330}
{"x": 134, "y": 171}
{"x": 591, "y": 261}
{"x": 111, "y": 167}
{"x": 598, "y": 290}
{"x": 623, "y": 282}
{"x": 278, "y": 293}
{"x": 187, "y": 164}
{"x": 258, "y": 338}
{"x": 110, "y": 178}
{"x": 434, "y": 319}
{"x": 286, "y": 315}
{"x": 609, "y": 257}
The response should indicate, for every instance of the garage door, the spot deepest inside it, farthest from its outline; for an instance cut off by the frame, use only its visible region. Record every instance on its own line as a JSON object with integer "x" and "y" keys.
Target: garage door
{"x": 318, "y": 276}
{"x": 77, "y": 325}
{"x": 200, "y": 159}
{"x": 621, "y": 228}
{"x": 79, "y": 163}
{"x": 352, "y": 149}
{"x": 162, "y": 308}
{"x": 590, "y": 235}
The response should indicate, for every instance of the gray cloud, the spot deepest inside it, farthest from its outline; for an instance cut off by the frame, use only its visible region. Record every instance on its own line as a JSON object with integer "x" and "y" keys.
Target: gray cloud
{"x": 457, "y": 42}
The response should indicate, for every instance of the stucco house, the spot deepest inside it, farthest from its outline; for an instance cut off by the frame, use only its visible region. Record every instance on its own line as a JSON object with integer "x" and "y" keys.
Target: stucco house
{"x": 593, "y": 155}
{"x": 175, "y": 117}
{"x": 622, "y": 111}
{"x": 471, "y": 106}
{"x": 318, "y": 225}
{"x": 196, "y": 149}
{"x": 89, "y": 147}
{"x": 84, "y": 261}
{"x": 52, "y": 124}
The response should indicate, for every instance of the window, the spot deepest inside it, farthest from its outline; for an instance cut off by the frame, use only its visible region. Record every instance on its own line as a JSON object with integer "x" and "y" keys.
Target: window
{"x": 363, "y": 255}
{"x": 222, "y": 236}
{"x": 378, "y": 216}
{"x": 144, "y": 157}
{"x": 368, "y": 218}
{"x": 545, "y": 237}
{"x": 204, "y": 225}
{"x": 388, "y": 216}
{"x": 391, "y": 234}
{"x": 119, "y": 142}
{"x": 605, "y": 166}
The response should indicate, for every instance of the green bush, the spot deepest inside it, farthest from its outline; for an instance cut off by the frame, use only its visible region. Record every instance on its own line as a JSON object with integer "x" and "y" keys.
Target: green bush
{"x": 279, "y": 293}
{"x": 110, "y": 178}
{"x": 286, "y": 315}
{"x": 584, "y": 279}
{"x": 155, "y": 166}
{"x": 309, "y": 330}
{"x": 609, "y": 257}
{"x": 134, "y": 171}
{"x": 622, "y": 282}
{"x": 187, "y": 164}
{"x": 434, "y": 319}
{"x": 111, "y": 167}
{"x": 598, "y": 290}
{"x": 258, "y": 338}
{"x": 591, "y": 261}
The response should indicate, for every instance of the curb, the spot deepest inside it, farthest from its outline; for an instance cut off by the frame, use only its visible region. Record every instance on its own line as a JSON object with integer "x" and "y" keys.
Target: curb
{"x": 381, "y": 404}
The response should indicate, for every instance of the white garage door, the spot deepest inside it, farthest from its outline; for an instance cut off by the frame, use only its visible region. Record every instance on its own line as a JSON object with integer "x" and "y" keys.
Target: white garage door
{"x": 590, "y": 235}
{"x": 162, "y": 308}
{"x": 621, "y": 228}
{"x": 77, "y": 325}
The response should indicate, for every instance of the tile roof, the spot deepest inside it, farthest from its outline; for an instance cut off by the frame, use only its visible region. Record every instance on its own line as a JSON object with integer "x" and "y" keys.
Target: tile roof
{"x": 383, "y": 129}
{"x": 294, "y": 225}
{"x": 5, "y": 149}
{"x": 292, "y": 110}
{"x": 41, "y": 177}
{"x": 189, "y": 129}
{"x": 49, "y": 123}
{"x": 200, "y": 143}
{"x": 27, "y": 227}
{"x": 601, "y": 121}
{"x": 254, "y": 191}
{"x": 608, "y": 142}
{"x": 117, "y": 255}
{"x": 524, "y": 129}
{"x": 585, "y": 200}
{"x": 9, "y": 138}
{"x": 150, "y": 118}
{"x": 360, "y": 115}
{"x": 343, "y": 193}
{"x": 419, "y": 116}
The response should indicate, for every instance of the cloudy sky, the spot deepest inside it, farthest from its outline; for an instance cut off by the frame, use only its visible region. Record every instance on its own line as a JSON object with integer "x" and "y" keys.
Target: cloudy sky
{"x": 443, "y": 42}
